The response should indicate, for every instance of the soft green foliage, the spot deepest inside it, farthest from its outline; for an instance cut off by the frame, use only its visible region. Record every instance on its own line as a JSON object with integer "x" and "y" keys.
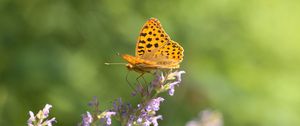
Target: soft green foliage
{"x": 241, "y": 57}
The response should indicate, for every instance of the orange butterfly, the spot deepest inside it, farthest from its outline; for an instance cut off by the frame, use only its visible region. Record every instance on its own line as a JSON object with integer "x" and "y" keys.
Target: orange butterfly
{"x": 154, "y": 50}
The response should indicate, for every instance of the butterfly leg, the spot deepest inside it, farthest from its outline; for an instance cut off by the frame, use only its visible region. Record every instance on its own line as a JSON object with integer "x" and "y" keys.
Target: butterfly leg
{"x": 144, "y": 79}
{"x": 143, "y": 87}
{"x": 130, "y": 85}
{"x": 140, "y": 76}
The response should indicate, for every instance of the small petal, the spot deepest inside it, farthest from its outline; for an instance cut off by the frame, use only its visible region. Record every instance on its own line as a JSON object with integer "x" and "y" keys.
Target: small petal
{"x": 130, "y": 120}
{"x": 176, "y": 74}
{"x": 139, "y": 120}
{"x": 46, "y": 110}
{"x": 87, "y": 119}
{"x": 154, "y": 120}
{"x": 108, "y": 121}
{"x": 49, "y": 122}
{"x": 158, "y": 81}
{"x": 171, "y": 91}
{"x": 147, "y": 123}
{"x": 172, "y": 85}
{"x": 40, "y": 115}
{"x": 106, "y": 116}
{"x": 31, "y": 118}
{"x": 162, "y": 79}
{"x": 179, "y": 75}
{"x": 154, "y": 104}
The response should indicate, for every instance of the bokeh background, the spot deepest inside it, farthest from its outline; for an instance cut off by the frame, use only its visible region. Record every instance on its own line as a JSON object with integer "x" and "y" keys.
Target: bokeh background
{"x": 241, "y": 58}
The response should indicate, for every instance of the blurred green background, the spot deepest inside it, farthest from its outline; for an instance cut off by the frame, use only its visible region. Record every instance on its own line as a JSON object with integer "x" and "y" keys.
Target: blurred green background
{"x": 241, "y": 58}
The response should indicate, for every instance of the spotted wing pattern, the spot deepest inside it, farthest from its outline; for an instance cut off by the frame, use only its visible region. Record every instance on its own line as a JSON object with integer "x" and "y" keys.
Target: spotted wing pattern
{"x": 170, "y": 55}
{"x": 154, "y": 49}
{"x": 152, "y": 37}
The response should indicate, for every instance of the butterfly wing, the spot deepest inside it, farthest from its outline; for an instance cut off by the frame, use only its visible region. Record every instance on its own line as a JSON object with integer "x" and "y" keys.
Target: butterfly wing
{"x": 151, "y": 38}
{"x": 154, "y": 44}
{"x": 169, "y": 56}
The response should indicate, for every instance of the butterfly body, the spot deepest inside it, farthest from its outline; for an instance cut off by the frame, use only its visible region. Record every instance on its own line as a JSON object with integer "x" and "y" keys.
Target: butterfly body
{"x": 154, "y": 50}
{"x": 137, "y": 64}
{"x": 141, "y": 65}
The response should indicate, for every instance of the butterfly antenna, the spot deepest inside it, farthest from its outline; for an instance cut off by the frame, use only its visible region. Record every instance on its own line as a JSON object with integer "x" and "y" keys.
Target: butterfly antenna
{"x": 117, "y": 53}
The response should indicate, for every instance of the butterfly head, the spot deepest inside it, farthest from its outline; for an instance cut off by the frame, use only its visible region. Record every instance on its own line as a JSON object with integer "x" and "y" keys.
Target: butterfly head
{"x": 131, "y": 61}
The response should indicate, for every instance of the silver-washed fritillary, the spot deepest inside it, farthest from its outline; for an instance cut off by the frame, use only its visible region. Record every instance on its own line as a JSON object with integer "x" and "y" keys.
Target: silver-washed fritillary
{"x": 154, "y": 50}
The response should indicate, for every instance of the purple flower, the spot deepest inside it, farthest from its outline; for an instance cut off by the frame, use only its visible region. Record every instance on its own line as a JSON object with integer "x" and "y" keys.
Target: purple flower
{"x": 149, "y": 120}
{"x": 139, "y": 120}
{"x": 138, "y": 89}
{"x": 154, "y": 120}
{"x": 49, "y": 122}
{"x": 146, "y": 115}
{"x": 130, "y": 120}
{"x": 122, "y": 109}
{"x": 154, "y": 104}
{"x": 106, "y": 116}
{"x": 31, "y": 118}
{"x": 38, "y": 119}
{"x": 172, "y": 88}
{"x": 176, "y": 74}
{"x": 87, "y": 119}
{"x": 147, "y": 123}
{"x": 158, "y": 81}
{"x": 46, "y": 110}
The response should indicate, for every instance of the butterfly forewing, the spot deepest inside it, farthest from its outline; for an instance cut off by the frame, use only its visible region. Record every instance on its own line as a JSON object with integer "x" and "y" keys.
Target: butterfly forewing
{"x": 154, "y": 49}
{"x": 152, "y": 37}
